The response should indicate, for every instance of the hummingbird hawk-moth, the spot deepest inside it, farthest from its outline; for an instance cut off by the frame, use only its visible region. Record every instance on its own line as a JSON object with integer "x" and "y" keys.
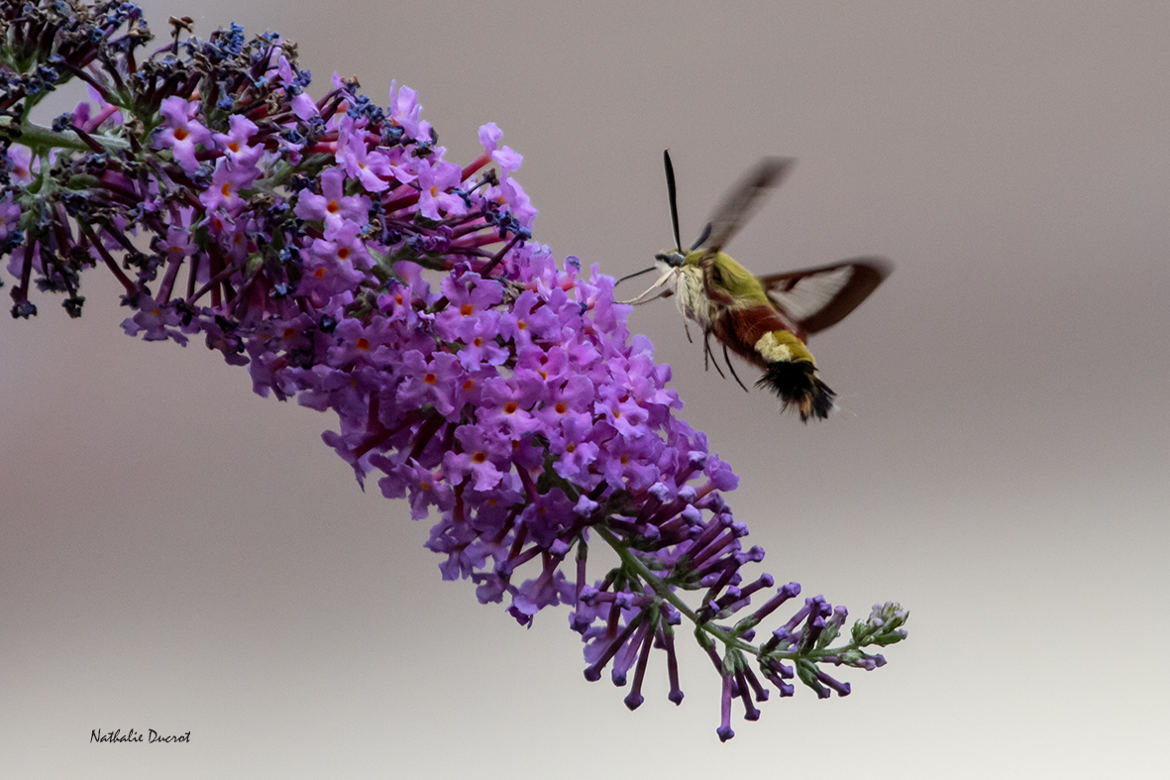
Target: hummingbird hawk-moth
{"x": 764, "y": 319}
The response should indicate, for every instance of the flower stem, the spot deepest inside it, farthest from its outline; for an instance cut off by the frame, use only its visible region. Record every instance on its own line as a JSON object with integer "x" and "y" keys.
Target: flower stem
{"x": 631, "y": 561}
{"x": 41, "y": 139}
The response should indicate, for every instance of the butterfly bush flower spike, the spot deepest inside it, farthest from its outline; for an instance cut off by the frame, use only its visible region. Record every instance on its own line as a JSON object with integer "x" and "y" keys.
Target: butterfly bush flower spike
{"x": 329, "y": 246}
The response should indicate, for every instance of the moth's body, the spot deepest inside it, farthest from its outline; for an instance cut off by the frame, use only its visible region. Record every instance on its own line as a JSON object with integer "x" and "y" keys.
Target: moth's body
{"x": 764, "y": 320}
{"x": 728, "y": 302}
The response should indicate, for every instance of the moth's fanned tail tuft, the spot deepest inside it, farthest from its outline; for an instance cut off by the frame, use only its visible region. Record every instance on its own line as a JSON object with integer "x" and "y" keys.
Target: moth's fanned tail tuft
{"x": 797, "y": 385}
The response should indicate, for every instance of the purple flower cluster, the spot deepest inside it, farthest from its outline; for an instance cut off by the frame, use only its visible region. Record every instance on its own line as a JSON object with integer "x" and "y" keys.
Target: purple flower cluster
{"x": 330, "y": 247}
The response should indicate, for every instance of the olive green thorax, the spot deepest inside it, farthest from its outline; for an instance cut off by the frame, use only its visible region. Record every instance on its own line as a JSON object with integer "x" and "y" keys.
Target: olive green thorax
{"x": 740, "y": 284}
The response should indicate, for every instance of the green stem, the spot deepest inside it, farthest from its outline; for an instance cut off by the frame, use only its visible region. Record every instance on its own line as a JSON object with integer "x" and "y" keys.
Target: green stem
{"x": 632, "y": 562}
{"x": 42, "y": 139}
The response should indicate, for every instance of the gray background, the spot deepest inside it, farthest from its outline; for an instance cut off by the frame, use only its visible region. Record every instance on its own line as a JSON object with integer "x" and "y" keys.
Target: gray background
{"x": 180, "y": 554}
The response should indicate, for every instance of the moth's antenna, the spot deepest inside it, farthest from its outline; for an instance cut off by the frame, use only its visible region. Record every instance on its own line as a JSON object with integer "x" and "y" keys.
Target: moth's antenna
{"x": 672, "y": 193}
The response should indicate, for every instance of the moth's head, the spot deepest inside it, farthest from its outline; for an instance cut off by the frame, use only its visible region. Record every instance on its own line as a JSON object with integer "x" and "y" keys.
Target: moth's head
{"x": 669, "y": 259}
{"x": 678, "y": 257}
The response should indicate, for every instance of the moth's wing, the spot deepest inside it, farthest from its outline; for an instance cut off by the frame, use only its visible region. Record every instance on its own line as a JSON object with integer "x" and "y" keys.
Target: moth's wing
{"x": 816, "y": 298}
{"x": 742, "y": 201}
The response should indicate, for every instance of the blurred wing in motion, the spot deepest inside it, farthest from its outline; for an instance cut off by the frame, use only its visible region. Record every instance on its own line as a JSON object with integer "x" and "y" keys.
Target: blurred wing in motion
{"x": 742, "y": 201}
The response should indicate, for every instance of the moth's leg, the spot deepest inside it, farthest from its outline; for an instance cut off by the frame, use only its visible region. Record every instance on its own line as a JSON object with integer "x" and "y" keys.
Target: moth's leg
{"x": 707, "y": 353}
{"x": 731, "y": 368}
